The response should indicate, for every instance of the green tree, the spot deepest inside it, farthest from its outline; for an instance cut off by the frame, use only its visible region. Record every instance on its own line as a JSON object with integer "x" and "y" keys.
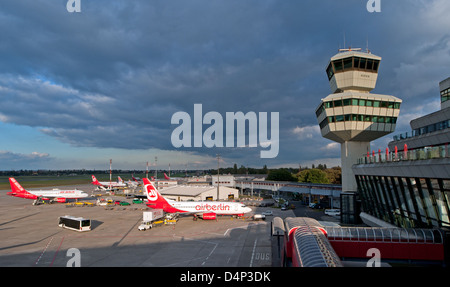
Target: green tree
{"x": 313, "y": 175}
{"x": 334, "y": 175}
{"x": 281, "y": 174}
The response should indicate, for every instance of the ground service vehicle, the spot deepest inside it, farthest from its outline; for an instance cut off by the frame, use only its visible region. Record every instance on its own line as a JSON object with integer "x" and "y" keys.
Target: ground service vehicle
{"x": 152, "y": 215}
{"x": 149, "y": 217}
{"x": 75, "y": 223}
{"x": 259, "y": 217}
{"x": 145, "y": 225}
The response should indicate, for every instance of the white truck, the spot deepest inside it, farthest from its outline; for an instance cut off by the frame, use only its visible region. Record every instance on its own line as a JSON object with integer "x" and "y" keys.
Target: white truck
{"x": 148, "y": 217}
{"x": 259, "y": 217}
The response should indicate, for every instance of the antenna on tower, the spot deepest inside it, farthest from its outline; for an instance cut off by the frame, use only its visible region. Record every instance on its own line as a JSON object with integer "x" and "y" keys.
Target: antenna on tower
{"x": 344, "y": 40}
{"x": 367, "y": 45}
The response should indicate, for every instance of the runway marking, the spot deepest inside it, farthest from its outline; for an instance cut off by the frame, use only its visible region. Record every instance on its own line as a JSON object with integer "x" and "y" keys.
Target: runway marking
{"x": 240, "y": 227}
{"x": 253, "y": 252}
{"x": 197, "y": 258}
{"x": 56, "y": 253}
{"x": 243, "y": 227}
{"x": 43, "y": 251}
{"x": 210, "y": 253}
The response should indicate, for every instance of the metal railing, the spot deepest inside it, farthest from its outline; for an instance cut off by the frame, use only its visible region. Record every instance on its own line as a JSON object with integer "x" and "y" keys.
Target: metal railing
{"x": 386, "y": 235}
{"x": 441, "y": 151}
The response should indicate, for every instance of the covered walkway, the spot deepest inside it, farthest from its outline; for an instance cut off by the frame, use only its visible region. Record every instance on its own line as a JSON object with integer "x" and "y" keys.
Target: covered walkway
{"x": 393, "y": 243}
{"x": 309, "y": 244}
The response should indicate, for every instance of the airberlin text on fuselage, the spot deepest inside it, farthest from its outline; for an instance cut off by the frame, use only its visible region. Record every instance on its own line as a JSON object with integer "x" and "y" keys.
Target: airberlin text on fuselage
{"x": 209, "y": 207}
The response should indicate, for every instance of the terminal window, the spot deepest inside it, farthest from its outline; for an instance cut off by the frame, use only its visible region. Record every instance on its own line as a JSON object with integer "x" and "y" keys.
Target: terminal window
{"x": 445, "y": 95}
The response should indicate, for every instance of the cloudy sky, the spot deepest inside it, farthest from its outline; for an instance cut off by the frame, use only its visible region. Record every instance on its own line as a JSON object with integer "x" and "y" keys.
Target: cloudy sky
{"x": 78, "y": 89}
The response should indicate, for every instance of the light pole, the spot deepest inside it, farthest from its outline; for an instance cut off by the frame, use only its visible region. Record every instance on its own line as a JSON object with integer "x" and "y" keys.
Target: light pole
{"x": 218, "y": 168}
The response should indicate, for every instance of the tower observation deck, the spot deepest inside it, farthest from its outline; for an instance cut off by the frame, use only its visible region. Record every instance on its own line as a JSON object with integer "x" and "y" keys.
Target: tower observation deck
{"x": 351, "y": 115}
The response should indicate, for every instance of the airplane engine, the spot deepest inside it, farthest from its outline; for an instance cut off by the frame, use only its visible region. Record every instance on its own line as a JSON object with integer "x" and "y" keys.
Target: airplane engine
{"x": 60, "y": 200}
{"x": 209, "y": 216}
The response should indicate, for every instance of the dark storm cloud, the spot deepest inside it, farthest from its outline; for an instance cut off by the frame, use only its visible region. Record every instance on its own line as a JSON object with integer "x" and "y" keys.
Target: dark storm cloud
{"x": 120, "y": 69}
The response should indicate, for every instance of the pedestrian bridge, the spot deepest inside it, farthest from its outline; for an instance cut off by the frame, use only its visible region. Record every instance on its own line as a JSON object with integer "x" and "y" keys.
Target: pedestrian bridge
{"x": 307, "y": 243}
{"x": 393, "y": 243}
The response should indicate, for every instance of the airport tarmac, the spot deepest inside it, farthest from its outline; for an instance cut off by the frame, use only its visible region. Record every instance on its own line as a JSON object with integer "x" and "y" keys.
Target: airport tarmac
{"x": 30, "y": 236}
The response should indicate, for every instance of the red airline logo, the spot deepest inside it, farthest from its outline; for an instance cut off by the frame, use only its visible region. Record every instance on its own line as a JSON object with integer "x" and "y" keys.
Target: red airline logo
{"x": 152, "y": 194}
{"x": 212, "y": 207}
{"x": 18, "y": 186}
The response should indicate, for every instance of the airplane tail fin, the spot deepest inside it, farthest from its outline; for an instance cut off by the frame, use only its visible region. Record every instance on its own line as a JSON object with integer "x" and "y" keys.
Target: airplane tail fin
{"x": 95, "y": 181}
{"x": 120, "y": 179}
{"x": 16, "y": 188}
{"x": 155, "y": 199}
{"x": 166, "y": 177}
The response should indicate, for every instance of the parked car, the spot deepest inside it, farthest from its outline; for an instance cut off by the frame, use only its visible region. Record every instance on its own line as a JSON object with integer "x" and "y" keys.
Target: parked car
{"x": 121, "y": 203}
{"x": 267, "y": 213}
{"x": 317, "y": 206}
{"x": 333, "y": 212}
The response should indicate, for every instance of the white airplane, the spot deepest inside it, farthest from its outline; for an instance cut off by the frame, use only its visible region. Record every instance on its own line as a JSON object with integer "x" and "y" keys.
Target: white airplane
{"x": 53, "y": 195}
{"x": 129, "y": 183}
{"x": 207, "y": 210}
{"x": 107, "y": 184}
{"x": 136, "y": 179}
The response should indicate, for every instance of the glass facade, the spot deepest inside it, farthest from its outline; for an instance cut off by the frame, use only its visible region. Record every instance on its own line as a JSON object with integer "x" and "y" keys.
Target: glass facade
{"x": 350, "y": 208}
{"x": 406, "y": 202}
{"x": 352, "y": 63}
{"x": 445, "y": 95}
{"x": 358, "y": 118}
{"x": 424, "y": 130}
{"x": 357, "y": 102}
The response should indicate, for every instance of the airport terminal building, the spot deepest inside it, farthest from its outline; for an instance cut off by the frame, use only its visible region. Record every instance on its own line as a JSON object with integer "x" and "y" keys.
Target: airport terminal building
{"x": 408, "y": 185}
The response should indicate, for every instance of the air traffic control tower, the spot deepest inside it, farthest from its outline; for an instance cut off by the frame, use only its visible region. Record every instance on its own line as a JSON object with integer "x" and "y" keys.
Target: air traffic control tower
{"x": 351, "y": 115}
